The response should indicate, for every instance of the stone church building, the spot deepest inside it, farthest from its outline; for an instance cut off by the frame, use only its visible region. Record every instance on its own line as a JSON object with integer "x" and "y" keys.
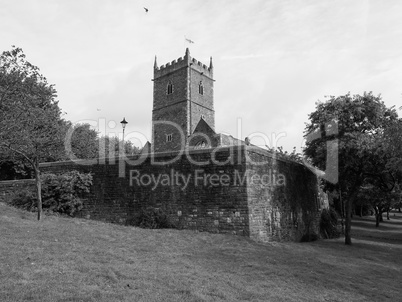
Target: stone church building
{"x": 183, "y": 113}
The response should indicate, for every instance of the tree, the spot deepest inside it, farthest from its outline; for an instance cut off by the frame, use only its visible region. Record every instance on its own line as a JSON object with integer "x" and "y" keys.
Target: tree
{"x": 81, "y": 142}
{"x": 31, "y": 128}
{"x": 383, "y": 193}
{"x": 381, "y": 201}
{"x": 393, "y": 144}
{"x": 11, "y": 170}
{"x": 109, "y": 147}
{"x": 349, "y": 128}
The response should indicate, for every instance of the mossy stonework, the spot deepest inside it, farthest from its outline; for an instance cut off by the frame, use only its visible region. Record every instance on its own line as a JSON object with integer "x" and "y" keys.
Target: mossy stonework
{"x": 289, "y": 206}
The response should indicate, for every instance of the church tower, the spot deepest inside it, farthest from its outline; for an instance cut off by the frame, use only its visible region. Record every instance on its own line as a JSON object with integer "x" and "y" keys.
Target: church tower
{"x": 183, "y": 96}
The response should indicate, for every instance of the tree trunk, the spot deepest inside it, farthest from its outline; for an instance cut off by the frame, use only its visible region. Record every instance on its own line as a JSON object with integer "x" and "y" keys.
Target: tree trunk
{"x": 348, "y": 212}
{"x": 377, "y": 217}
{"x": 348, "y": 221}
{"x": 38, "y": 191}
{"x": 361, "y": 211}
{"x": 388, "y": 213}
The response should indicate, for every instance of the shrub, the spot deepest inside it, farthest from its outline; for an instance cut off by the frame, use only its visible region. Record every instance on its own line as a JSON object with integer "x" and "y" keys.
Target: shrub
{"x": 60, "y": 193}
{"x": 329, "y": 224}
{"x": 24, "y": 199}
{"x": 63, "y": 193}
{"x": 151, "y": 218}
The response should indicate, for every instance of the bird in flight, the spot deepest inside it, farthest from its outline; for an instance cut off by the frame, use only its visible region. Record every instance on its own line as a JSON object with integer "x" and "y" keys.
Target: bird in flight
{"x": 146, "y": 9}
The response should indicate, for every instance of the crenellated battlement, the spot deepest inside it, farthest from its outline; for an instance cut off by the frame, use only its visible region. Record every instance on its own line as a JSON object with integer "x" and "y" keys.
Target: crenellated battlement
{"x": 182, "y": 62}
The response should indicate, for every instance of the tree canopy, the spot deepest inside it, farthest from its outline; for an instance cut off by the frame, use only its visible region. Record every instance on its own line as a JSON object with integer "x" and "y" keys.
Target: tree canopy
{"x": 347, "y": 132}
{"x": 31, "y": 127}
{"x": 30, "y": 117}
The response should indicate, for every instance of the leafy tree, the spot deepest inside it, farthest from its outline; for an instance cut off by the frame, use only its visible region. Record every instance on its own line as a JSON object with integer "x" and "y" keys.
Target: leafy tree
{"x": 382, "y": 188}
{"x": 392, "y": 143}
{"x": 81, "y": 142}
{"x": 381, "y": 201}
{"x": 345, "y": 132}
{"x": 31, "y": 128}
{"x": 280, "y": 153}
{"x": 11, "y": 170}
{"x": 110, "y": 147}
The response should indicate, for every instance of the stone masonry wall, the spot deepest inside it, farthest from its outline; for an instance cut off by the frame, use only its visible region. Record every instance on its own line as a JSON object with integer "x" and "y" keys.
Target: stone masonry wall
{"x": 283, "y": 198}
{"x": 202, "y": 105}
{"x": 239, "y": 190}
{"x": 205, "y": 197}
{"x": 161, "y": 129}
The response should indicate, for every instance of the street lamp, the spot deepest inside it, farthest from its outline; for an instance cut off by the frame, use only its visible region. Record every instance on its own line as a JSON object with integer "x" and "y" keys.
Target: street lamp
{"x": 123, "y": 124}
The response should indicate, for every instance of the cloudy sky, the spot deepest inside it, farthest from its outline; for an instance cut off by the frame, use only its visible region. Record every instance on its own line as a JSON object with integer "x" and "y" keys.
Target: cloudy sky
{"x": 272, "y": 59}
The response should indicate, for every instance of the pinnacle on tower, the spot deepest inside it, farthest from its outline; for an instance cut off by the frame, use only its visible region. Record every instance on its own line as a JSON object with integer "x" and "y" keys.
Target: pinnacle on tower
{"x": 210, "y": 63}
{"x": 155, "y": 64}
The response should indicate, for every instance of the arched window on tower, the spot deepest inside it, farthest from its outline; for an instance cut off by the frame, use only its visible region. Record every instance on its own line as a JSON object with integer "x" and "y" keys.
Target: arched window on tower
{"x": 169, "y": 88}
{"x": 200, "y": 88}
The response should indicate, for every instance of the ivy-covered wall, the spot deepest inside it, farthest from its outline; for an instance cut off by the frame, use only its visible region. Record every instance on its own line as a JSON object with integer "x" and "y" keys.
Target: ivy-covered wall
{"x": 283, "y": 198}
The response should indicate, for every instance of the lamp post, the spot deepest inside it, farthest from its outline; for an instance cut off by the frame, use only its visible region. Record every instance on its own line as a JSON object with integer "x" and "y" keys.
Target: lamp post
{"x": 123, "y": 124}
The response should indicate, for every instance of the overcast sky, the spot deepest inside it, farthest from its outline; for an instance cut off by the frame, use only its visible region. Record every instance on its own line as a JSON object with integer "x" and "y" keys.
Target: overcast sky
{"x": 272, "y": 59}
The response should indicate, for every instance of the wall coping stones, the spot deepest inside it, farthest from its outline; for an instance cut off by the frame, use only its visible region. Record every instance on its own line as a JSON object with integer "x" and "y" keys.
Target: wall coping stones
{"x": 16, "y": 181}
{"x": 143, "y": 156}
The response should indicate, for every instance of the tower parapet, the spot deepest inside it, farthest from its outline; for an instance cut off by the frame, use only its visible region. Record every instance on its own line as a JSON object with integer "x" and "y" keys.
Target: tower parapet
{"x": 183, "y": 62}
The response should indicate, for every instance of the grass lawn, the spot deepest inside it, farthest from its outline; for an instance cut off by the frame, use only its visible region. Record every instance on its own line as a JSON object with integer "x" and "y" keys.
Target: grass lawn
{"x": 61, "y": 259}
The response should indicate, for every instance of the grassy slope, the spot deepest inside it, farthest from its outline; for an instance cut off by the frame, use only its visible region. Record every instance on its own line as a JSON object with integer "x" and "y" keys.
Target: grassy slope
{"x": 62, "y": 259}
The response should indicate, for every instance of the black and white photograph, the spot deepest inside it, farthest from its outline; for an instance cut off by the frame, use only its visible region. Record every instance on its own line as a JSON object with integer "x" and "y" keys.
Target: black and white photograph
{"x": 196, "y": 151}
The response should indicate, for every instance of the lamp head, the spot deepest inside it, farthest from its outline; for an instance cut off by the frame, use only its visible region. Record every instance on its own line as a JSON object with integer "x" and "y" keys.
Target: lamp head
{"x": 124, "y": 123}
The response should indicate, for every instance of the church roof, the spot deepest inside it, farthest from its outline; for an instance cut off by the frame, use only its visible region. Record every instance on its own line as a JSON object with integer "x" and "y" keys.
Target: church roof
{"x": 203, "y": 127}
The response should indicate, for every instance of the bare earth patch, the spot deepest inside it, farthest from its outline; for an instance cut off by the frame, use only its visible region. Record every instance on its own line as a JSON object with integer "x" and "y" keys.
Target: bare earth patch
{"x": 61, "y": 259}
